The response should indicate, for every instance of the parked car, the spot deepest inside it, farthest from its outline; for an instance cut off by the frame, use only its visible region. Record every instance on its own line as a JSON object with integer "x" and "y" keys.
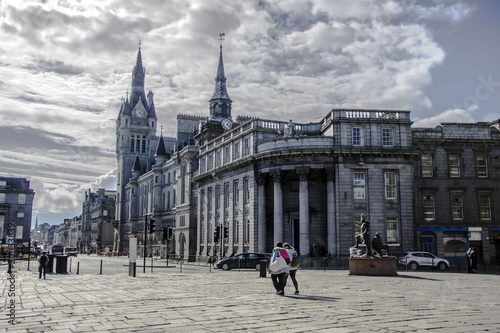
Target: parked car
{"x": 244, "y": 260}
{"x": 425, "y": 259}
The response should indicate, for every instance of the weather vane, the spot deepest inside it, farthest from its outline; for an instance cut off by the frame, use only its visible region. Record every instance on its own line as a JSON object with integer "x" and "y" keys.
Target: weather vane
{"x": 220, "y": 37}
{"x": 139, "y": 43}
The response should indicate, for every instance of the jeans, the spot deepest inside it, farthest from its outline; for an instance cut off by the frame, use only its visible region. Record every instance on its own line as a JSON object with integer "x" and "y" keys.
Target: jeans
{"x": 279, "y": 281}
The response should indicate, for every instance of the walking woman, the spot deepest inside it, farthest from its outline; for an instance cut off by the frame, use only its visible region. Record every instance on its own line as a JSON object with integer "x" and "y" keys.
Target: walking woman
{"x": 293, "y": 270}
{"x": 279, "y": 268}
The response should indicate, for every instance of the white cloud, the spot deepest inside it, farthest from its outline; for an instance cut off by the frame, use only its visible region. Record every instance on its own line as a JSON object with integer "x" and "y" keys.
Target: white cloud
{"x": 455, "y": 115}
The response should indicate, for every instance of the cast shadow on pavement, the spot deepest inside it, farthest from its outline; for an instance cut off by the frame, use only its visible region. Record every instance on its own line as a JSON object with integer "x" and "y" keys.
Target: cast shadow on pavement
{"x": 314, "y": 298}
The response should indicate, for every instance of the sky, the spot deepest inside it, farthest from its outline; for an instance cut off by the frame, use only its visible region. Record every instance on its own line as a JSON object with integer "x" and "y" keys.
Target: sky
{"x": 66, "y": 65}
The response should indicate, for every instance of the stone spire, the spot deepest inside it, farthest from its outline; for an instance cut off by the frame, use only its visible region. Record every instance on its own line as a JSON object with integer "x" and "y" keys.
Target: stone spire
{"x": 138, "y": 78}
{"x": 220, "y": 103}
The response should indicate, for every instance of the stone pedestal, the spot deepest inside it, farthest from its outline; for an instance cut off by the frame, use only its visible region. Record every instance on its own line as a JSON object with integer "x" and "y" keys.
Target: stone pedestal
{"x": 373, "y": 266}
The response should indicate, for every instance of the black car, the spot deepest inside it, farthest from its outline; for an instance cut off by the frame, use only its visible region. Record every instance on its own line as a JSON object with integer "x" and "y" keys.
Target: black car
{"x": 244, "y": 260}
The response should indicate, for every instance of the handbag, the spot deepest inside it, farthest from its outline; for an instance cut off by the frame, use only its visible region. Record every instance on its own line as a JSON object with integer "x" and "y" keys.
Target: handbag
{"x": 277, "y": 264}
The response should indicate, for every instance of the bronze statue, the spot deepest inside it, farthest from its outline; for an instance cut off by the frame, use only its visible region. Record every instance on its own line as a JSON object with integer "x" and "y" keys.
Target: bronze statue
{"x": 378, "y": 245}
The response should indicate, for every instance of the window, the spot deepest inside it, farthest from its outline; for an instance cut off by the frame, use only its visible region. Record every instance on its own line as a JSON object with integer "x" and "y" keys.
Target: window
{"x": 247, "y": 147}
{"x": 485, "y": 206}
{"x": 359, "y": 185}
{"x": 392, "y": 230}
{"x": 226, "y": 195}
{"x": 429, "y": 210}
{"x": 482, "y": 166}
{"x": 132, "y": 144}
{"x": 227, "y": 154}
{"x": 217, "y": 158}
{"x": 3, "y": 183}
{"x": 20, "y": 214}
{"x": 237, "y": 232}
{"x": 454, "y": 165}
{"x": 247, "y": 232}
{"x": 236, "y": 150}
{"x": 387, "y": 137}
{"x": 210, "y": 162}
{"x": 2, "y": 198}
{"x": 217, "y": 197}
{"x": 202, "y": 165}
{"x": 143, "y": 144}
{"x": 426, "y": 165}
{"x": 246, "y": 191}
{"x": 390, "y": 185}
{"x": 357, "y": 136}
{"x": 456, "y": 206}
{"x": 236, "y": 194}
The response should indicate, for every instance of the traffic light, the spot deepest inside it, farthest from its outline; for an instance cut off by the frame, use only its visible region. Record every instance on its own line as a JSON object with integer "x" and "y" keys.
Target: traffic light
{"x": 151, "y": 225}
{"x": 35, "y": 245}
{"x": 165, "y": 233}
{"x": 170, "y": 233}
{"x": 216, "y": 234}
{"x": 226, "y": 232}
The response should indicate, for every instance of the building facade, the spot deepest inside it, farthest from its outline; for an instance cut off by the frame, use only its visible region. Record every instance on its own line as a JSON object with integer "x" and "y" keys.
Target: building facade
{"x": 97, "y": 222}
{"x": 16, "y": 205}
{"x": 457, "y": 184}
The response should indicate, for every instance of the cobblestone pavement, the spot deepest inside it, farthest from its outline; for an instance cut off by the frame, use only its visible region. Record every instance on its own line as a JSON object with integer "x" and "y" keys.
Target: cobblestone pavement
{"x": 202, "y": 300}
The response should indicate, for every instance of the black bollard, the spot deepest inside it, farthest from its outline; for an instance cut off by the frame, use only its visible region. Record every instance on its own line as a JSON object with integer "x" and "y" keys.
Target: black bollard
{"x": 101, "y": 268}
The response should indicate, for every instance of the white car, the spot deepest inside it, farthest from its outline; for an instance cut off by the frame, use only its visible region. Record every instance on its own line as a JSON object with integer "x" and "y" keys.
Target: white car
{"x": 415, "y": 259}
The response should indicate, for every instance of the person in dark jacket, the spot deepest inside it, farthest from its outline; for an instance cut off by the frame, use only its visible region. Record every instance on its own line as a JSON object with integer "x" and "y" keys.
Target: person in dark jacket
{"x": 473, "y": 260}
{"x": 43, "y": 260}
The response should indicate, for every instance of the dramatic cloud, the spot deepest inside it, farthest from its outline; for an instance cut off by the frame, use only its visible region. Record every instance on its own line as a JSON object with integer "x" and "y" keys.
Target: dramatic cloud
{"x": 66, "y": 65}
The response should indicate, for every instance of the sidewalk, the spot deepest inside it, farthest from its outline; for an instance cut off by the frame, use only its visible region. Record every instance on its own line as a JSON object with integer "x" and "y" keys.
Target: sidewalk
{"x": 197, "y": 300}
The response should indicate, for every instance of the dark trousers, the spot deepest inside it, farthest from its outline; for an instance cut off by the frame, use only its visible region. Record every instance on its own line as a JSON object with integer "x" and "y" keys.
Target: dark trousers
{"x": 294, "y": 280}
{"x": 279, "y": 281}
{"x": 44, "y": 269}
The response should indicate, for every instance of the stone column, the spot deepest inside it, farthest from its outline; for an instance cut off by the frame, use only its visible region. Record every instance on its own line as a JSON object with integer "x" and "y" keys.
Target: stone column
{"x": 278, "y": 207}
{"x": 304, "y": 211}
{"x": 331, "y": 226}
{"x": 261, "y": 211}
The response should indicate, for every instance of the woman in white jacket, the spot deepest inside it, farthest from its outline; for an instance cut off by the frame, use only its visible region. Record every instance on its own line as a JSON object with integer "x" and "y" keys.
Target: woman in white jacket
{"x": 280, "y": 274}
{"x": 292, "y": 270}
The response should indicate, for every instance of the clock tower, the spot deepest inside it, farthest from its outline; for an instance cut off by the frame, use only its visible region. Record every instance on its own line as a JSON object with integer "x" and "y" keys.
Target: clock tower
{"x": 220, "y": 118}
{"x": 135, "y": 139}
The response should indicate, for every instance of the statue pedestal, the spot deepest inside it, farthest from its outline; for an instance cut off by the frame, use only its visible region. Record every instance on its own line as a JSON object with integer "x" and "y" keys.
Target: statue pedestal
{"x": 373, "y": 266}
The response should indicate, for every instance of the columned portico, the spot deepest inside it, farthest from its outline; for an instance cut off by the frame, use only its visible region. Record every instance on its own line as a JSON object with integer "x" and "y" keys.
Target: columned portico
{"x": 304, "y": 210}
{"x": 278, "y": 206}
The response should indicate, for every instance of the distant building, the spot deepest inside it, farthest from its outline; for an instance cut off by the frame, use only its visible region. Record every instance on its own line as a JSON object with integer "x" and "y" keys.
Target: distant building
{"x": 16, "y": 204}
{"x": 98, "y": 212}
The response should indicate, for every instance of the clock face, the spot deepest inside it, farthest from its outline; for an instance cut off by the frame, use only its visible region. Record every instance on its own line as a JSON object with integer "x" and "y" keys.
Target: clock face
{"x": 227, "y": 124}
{"x": 139, "y": 113}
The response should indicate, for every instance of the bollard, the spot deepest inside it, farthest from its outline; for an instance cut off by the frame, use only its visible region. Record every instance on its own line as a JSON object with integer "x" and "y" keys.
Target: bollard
{"x": 78, "y": 268}
{"x": 70, "y": 263}
{"x": 101, "y": 268}
{"x": 263, "y": 268}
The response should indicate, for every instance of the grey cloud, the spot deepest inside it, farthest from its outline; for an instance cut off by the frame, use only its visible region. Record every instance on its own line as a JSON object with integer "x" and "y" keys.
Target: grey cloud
{"x": 55, "y": 66}
{"x": 29, "y": 140}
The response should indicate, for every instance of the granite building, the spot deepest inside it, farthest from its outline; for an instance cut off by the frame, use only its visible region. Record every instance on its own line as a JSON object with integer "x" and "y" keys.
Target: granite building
{"x": 261, "y": 180}
{"x": 16, "y": 204}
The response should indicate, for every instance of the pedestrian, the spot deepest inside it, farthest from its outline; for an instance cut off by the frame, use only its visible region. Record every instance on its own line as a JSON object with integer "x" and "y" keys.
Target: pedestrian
{"x": 44, "y": 260}
{"x": 279, "y": 268}
{"x": 473, "y": 260}
{"x": 467, "y": 259}
{"x": 293, "y": 270}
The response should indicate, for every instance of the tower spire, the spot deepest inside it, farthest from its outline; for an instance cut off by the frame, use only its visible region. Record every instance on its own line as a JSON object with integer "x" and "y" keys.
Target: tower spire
{"x": 220, "y": 103}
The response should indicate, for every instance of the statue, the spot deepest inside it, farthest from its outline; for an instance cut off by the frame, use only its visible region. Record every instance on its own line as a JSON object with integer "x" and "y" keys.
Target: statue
{"x": 290, "y": 129}
{"x": 378, "y": 245}
{"x": 364, "y": 238}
